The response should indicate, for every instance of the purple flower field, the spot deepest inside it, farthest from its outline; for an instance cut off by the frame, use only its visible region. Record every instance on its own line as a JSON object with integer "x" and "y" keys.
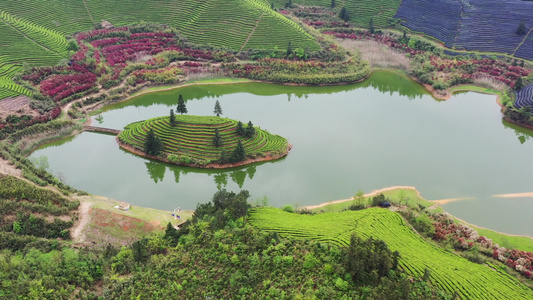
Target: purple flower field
{"x": 482, "y": 25}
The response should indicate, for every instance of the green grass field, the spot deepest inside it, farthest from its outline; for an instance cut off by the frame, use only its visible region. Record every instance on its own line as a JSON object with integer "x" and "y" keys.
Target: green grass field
{"x": 192, "y": 138}
{"x": 448, "y": 271}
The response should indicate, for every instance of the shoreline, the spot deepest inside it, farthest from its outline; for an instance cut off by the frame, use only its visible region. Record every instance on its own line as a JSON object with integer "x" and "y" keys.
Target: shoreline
{"x": 436, "y": 203}
{"x": 248, "y": 161}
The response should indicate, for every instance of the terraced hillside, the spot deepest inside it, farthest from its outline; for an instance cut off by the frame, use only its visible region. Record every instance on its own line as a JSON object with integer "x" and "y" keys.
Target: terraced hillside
{"x": 524, "y": 97}
{"x": 448, "y": 271}
{"x": 35, "y": 31}
{"x": 482, "y": 25}
{"x": 191, "y": 140}
{"x": 360, "y": 11}
{"x": 28, "y": 213}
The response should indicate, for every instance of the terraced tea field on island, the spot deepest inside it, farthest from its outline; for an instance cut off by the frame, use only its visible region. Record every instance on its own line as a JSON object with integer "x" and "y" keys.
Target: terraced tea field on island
{"x": 448, "y": 271}
{"x": 192, "y": 138}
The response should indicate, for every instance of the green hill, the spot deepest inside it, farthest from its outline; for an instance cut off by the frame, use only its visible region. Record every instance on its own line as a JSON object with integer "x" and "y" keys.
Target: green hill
{"x": 191, "y": 140}
{"x": 35, "y": 32}
{"x": 360, "y": 11}
{"x": 448, "y": 271}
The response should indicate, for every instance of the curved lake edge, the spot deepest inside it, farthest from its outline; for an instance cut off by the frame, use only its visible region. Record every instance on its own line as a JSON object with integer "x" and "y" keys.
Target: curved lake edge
{"x": 436, "y": 203}
{"x": 245, "y": 162}
{"x": 229, "y": 83}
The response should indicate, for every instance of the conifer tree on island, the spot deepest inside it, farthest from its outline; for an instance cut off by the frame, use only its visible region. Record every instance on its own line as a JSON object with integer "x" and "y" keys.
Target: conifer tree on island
{"x": 218, "y": 109}
{"x": 238, "y": 154}
{"x": 182, "y": 108}
{"x": 240, "y": 129}
{"x": 217, "y": 139}
{"x": 153, "y": 144}
{"x": 250, "y": 130}
{"x": 172, "y": 118}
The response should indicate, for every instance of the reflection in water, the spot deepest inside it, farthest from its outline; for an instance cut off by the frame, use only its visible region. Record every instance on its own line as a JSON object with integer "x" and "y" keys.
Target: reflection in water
{"x": 385, "y": 82}
{"x": 238, "y": 177}
{"x": 251, "y": 171}
{"x": 221, "y": 180}
{"x": 176, "y": 175}
{"x": 523, "y": 134}
{"x": 156, "y": 170}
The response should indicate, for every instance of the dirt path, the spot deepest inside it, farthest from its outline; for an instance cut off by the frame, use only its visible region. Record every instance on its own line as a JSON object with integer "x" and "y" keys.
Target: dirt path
{"x": 253, "y": 30}
{"x": 371, "y": 194}
{"x": 84, "y": 218}
{"x": 8, "y": 169}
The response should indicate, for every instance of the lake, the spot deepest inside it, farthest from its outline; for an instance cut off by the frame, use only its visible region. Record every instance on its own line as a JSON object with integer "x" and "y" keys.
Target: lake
{"x": 386, "y": 131}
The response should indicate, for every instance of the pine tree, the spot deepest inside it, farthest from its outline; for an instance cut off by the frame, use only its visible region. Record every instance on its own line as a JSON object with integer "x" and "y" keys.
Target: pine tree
{"x": 153, "y": 144}
{"x": 217, "y": 139}
{"x": 519, "y": 84}
{"x": 371, "y": 26}
{"x": 250, "y": 130}
{"x": 238, "y": 154}
{"x": 521, "y": 30}
{"x": 272, "y": 6}
{"x": 240, "y": 128}
{"x": 172, "y": 118}
{"x": 182, "y": 108}
{"x": 332, "y": 4}
{"x": 224, "y": 157}
{"x": 289, "y": 49}
{"x": 218, "y": 109}
{"x": 344, "y": 14}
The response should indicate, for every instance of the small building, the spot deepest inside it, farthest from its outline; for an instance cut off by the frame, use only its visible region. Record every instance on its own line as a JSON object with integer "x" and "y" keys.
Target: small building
{"x": 124, "y": 206}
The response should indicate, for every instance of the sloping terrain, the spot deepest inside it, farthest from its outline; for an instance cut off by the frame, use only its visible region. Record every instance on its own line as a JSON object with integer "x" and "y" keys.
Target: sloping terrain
{"x": 480, "y": 25}
{"x": 35, "y": 32}
{"x": 448, "y": 271}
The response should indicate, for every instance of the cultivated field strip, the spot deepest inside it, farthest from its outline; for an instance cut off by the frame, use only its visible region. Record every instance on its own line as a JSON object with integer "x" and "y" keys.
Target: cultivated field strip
{"x": 35, "y": 31}
{"x": 46, "y": 38}
{"x": 439, "y": 19}
{"x": 449, "y": 271}
{"x": 524, "y": 97}
{"x": 195, "y": 140}
{"x": 474, "y": 23}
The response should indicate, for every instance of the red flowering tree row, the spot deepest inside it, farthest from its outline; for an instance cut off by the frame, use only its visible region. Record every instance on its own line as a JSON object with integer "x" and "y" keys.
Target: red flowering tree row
{"x": 62, "y": 86}
{"x": 466, "y": 238}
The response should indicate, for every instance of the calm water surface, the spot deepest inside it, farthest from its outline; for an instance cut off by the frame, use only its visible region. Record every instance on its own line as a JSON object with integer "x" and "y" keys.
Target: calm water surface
{"x": 383, "y": 132}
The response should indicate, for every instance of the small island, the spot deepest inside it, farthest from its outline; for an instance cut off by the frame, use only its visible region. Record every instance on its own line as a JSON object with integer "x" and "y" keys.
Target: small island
{"x": 202, "y": 141}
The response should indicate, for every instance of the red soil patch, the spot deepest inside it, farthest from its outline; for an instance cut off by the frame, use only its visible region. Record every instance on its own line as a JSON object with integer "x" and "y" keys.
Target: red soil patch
{"x": 104, "y": 218}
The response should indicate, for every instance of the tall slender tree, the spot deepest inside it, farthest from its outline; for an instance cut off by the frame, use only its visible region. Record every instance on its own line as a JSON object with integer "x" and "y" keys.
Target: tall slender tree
{"x": 238, "y": 154}
{"x": 371, "y": 26}
{"x": 218, "y": 109}
{"x": 240, "y": 129}
{"x": 343, "y": 14}
{"x": 182, "y": 108}
{"x": 250, "y": 130}
{"x": 153, "y": 144}
{"x": 289, "y": 49}
{"x": 172, "y": 118}
{"x": 217, "y": 139}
